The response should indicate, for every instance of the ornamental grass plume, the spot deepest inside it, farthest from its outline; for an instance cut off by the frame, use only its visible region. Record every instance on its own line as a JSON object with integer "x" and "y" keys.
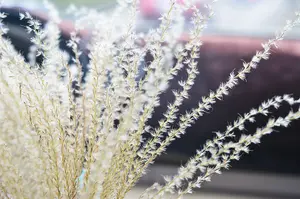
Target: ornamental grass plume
{"x": 62, "y": 141}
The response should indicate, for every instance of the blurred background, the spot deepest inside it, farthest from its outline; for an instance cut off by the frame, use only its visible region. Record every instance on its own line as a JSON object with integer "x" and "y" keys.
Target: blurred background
{"x": 272, "y": 170}
{"x": 233, "y": 17}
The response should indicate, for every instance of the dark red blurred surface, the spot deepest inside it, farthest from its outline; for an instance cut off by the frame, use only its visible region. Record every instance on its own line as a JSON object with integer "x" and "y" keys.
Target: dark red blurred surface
{"x": 277, "y": 76}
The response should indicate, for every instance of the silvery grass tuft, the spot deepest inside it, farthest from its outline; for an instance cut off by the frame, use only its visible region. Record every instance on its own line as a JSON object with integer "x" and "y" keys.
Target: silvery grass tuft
{"x": 56, "y": 145}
